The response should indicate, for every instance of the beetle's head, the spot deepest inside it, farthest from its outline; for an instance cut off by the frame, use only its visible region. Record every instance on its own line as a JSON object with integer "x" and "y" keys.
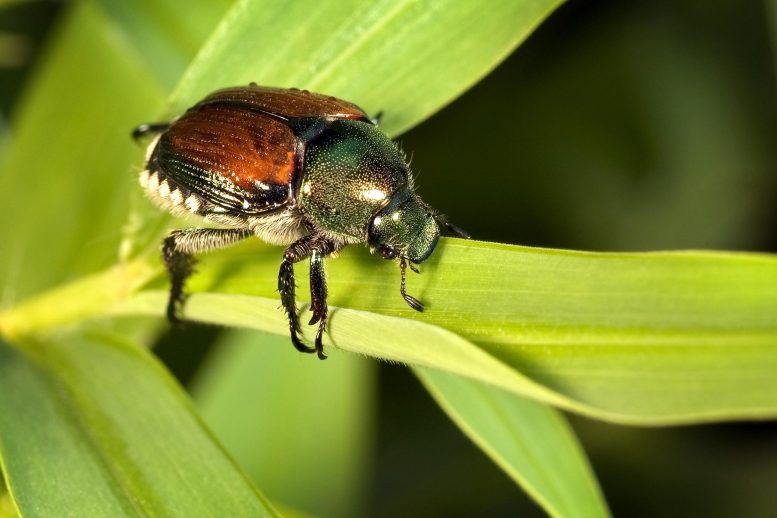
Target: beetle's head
{"x": 406, "y": 228}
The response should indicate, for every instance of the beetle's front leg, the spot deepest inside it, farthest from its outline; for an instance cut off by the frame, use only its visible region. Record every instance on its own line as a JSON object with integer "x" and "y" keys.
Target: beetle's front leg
{"x": 286, "y": 287}
{"x": 411, "y": 301}
{"x": 317, "y": 247}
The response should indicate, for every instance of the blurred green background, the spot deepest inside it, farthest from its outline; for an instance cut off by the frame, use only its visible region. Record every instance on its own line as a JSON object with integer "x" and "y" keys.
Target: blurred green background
{"x": 617, "y": 126}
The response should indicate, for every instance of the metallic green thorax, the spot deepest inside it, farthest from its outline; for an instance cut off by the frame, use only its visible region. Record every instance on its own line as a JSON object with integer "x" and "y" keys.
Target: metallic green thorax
{"x": 352, "y": 170}
{"x": 357, "y": 184}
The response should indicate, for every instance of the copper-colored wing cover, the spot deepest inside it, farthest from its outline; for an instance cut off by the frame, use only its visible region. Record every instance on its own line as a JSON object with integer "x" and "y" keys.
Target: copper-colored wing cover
{"x": 235, "y": 148}
{"x": 288, "y": 102}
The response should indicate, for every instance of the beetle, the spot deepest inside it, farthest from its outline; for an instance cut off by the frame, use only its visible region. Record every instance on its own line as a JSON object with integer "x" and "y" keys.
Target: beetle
{"x": 294, "y": 168}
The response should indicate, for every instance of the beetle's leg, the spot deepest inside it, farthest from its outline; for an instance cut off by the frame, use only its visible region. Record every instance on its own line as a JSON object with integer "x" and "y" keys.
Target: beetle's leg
{"x": 318, "y": 247}
{"x": 286, "y": 287}
{"x": 178, "y": 250}
{"x": 152, "y": 127}
{"x": 318, "y": 299}
{"x": 411, "y": 301}
{"x": 456, "y": 231}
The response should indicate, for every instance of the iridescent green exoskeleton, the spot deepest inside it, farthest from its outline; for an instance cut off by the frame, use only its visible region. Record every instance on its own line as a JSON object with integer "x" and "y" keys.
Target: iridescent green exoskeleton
{"x": 307, "y": 171}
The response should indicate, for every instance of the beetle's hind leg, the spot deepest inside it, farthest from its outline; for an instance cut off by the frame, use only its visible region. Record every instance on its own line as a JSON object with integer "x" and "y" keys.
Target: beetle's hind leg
{"x": 317, "y": 248}
{"x": 178, "y": 250}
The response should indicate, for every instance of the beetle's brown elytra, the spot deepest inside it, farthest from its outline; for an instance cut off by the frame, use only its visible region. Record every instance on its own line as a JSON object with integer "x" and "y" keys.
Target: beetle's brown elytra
{"x": 294, "y": 168}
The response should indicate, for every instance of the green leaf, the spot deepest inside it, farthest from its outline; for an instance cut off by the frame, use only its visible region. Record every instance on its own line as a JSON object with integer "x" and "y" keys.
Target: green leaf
{"x": 408, "y": 58}
{"x": 163, "y": 35}
{"x": 530, "y": 441}
{"x": 100, "y": 429}
{"x": 650, "y": 338}
{"x": 321, "y": 413}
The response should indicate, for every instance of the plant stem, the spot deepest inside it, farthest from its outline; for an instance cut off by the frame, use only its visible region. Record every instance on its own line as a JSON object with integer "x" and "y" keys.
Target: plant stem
{"x": 76, "y": 301}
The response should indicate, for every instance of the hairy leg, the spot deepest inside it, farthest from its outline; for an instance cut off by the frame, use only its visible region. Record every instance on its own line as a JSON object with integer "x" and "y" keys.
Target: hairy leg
{"x": 178, "y": 250}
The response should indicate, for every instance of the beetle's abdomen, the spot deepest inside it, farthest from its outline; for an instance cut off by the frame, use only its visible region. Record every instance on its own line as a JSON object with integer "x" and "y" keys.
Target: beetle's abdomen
{"x": 241, "y": 161}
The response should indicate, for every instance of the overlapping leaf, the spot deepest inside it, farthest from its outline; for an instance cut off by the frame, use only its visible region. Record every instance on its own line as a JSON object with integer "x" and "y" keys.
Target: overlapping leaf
{"x": 530, "y": 441}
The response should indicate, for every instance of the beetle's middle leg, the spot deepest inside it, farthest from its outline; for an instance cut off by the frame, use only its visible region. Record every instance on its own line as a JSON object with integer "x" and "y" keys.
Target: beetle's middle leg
{"x": 318, "y": 303}
{"x": 178, "y": 250}
{"x": 317, "y": 248}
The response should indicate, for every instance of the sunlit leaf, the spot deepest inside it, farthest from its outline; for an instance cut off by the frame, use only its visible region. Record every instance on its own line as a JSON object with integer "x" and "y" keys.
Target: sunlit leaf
{"x": 405, "y": 57}
{"x": 637, "y": 338}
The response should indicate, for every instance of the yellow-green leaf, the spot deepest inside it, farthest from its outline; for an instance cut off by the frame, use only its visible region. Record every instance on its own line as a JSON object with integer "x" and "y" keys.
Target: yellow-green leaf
{"x": 649, "y": 338}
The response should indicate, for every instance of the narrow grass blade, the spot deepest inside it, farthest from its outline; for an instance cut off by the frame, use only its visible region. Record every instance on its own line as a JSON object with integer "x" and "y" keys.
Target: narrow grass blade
{"x": 530, "y": 441}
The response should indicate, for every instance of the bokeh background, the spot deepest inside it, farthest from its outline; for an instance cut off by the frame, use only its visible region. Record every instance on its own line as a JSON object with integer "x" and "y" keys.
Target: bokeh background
{"x": 633, "y": 125}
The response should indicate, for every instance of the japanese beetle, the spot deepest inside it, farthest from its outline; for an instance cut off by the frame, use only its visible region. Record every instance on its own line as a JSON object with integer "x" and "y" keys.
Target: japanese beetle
{"x": 294, "y": 168}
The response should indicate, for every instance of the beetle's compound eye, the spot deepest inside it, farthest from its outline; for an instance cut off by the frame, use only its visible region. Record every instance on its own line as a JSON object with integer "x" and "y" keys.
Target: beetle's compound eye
{"x": 387, "y": 252}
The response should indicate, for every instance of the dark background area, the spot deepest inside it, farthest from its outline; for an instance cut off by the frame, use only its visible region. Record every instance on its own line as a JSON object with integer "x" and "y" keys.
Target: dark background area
{"x": 617, "y": 126}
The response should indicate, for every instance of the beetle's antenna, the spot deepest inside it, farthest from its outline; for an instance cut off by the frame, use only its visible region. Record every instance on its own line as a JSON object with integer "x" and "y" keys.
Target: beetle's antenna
{"x": 411, "y": 301}
{"x": 457, "y": 231}
{"x": 450, "y": 227}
